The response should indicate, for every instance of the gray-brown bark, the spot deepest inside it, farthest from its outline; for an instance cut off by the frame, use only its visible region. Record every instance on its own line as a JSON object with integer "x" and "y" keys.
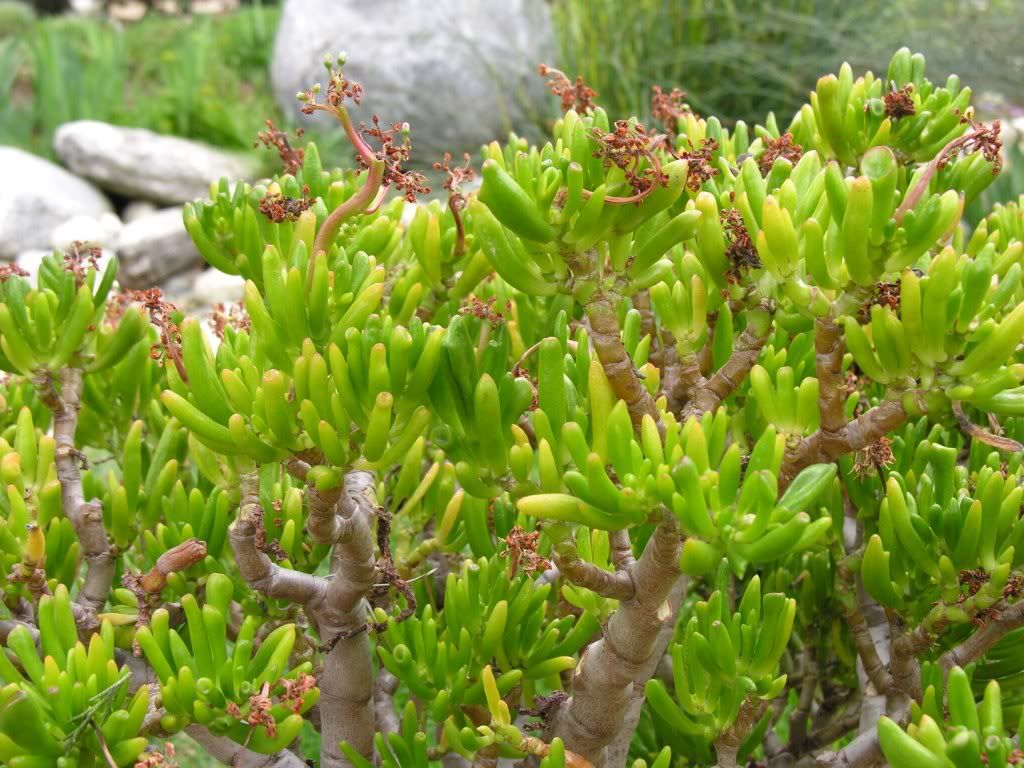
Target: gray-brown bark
{"x": 603, "y": 681}
{"x": 334, "y": 606}
{"x": 235, "y": 755}
{"x": 617, "y": 753}
{"x": 85, "y": 516}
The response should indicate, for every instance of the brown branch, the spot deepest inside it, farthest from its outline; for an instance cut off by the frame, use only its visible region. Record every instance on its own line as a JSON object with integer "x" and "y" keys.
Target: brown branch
{"x": 824, "y": 447}
{"x": 975, "y": 432}
{"x": 708, "y": 394}
{"x": 616, "y": 585}
{"x": 383, "y": 703}
{"x": 602, "y": 683}
{"x": 683, "y": 375}
{"x": 833, "y": 729}
{"x": 85, "y": 516}
{"x": 618, "y": 751}
{"x": 606, "y": 336}
{"x": 863, "y": 752}
{"x": 621, "y": 549}
{"x": 874, "y": 668}
{"x": 801, "y": 714}
{"x": 347, "y": 682}
{"x": 174, "y": 560}
{"x": 728, "y": 744}
{"x": 828, "y": 364}
{"x": 334, "y": 606}
{"x": 231, "y": 753}
{"x": 978, "y": 643}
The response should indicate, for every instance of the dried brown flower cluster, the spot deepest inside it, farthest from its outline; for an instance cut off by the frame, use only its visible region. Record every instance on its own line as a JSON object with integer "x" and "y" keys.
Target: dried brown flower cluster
{"x": 459, "y": 174}
{"x": 978, "y": 138}
{"x": 228, "y": 316}
{"x": 629, "y": 147}
{"x": 410, "y": 183}
{"x": 669, "y": 108}
{"x": 899, "y": 103}
{"x": 522, "y": 552}
{"x": 874, "y": 458}
{"x": 784, "y": 146}
{"x": 700, "y": 168}
{"x": 279, "y": 208}
{"x": 11, "y": 270}
{"x": 80, "y": 257}
{"x": 155, "y": 759}
{"x": 274, "y": 138}
{"x": 160, "y": 314}
{"x": 484, "y": 310}
{"x": 574, "y": 94}
{"x": 741, "y": 251}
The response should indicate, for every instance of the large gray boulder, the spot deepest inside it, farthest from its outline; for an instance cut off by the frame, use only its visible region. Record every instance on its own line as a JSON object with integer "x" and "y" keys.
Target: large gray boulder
{"x": 153, "y": 248}
{"x": 35, "y": 197}
{"x": 138, "y": 163}
{"x": 461, "y": 72}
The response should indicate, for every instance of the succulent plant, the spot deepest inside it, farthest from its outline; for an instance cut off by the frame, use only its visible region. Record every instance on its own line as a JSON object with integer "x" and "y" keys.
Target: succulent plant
{"x": 666, "y": 446}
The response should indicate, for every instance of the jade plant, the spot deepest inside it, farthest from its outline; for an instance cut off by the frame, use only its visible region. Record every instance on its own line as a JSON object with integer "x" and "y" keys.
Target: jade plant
{"x": 664, "y": 445}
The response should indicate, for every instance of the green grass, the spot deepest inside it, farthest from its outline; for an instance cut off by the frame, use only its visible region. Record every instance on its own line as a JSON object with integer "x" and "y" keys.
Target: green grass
{"x": 204, "y": 79}
{"x": 740, "y": 59}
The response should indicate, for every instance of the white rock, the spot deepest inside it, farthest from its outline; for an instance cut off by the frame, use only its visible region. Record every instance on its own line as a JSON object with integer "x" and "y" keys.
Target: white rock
{"x": 85, "y": 229}
{"x": 136, "y": 210}
{"x": 30, "y": 261}
{"x": 36, "y": 196}
{"x": 111, "y": 224}
{"x": 139, "y": 163}
{"x": 86, "y": 7}
{"x": 155, "y": 247}
{"x": 213, "y": 287}
{"x": 461, "y": 72}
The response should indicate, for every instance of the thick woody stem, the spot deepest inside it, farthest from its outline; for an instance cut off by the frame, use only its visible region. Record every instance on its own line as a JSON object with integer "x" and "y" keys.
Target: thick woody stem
{"x": 334, "y": 605}
{"x": 825, "y": 447}
{"x": 641, "y": 301}
{"x": 616, "y": 585}
{"x": 728, "y": 744}
{"x": 621, "y": 549}
{"x": 259, "y": 572}
{"x": 684, "y": 377}
{"x": 347, "y": 681}
{"x": 828, "y": 363}
{"x": 977, "y": 644}
{"x": 800, "y": 716}
{"x": 606, "y": 337}
{"x": 618, "y": 751}
{"x": 863, "y": 752}
{"x": 874, "y": 668}
{"x": 708, "y": 394}
{"x": 835, "y": 435}
{"x": 603, "y": 681}
{"x": 383, "y": 702}
{"x": 229, "y": 752}
{"x": 85, "y": 516}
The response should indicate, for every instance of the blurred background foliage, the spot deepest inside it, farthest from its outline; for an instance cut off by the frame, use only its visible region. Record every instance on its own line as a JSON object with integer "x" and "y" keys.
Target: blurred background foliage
{"x": 207, "y": 77}
{"x": 204, "y": 78}
{"x": 739, "y": 59}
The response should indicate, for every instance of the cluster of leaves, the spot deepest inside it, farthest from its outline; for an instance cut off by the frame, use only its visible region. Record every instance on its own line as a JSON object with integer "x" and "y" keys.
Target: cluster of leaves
{"x": 697, "y": 397}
